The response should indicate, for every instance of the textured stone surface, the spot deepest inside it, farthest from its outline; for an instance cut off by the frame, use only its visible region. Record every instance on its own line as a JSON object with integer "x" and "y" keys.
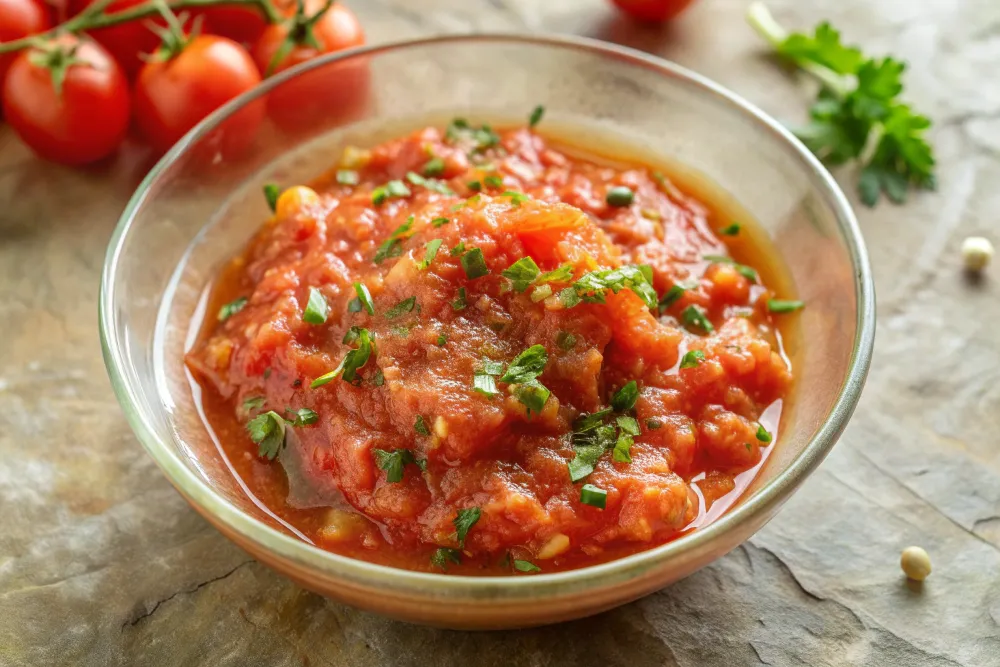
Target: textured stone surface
{"x": 102, "y": 563}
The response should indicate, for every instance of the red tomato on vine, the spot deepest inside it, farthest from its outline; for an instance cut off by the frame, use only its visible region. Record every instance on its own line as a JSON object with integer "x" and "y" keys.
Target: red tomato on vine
{"x": 20, "y": 18}
{"x": 653, "y": 10}
{"x": 127, "y": 42}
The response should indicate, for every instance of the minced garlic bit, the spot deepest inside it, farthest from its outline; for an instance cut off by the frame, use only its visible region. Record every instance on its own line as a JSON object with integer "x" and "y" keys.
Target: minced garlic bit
{"x": 977, "y": 252}
{"x": 916, "y": 563}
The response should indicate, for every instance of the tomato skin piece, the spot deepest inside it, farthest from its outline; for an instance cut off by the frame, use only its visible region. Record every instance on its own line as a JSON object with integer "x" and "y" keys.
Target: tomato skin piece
{"x": 654, "y": 11}
{"x": 20, "y": 18}
{"x": 127, "y": 41}
{"x": 172, "y": 96}
{"x": 86, "y": 122}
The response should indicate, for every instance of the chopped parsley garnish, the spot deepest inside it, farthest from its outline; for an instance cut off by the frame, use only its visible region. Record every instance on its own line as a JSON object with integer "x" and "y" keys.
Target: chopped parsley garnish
{"x": 762, "y": 434}
{"x": 532, "y": 394}
{"x": 694, "y": 316}
{"x": 493, "y": 181}
{"x": 692, "y": 358}
{"x": 653, "y": 423}
{"x": 353, "y": 361}
{"x": 420, "y": 426}
{"x": 271, "y": 194}
{"x": 465, "y": 520}
{"x": 379, "y": 378}
{"x": 458, "y": 249}
{"x": 267, "y": 430}
{"x": 625, "y": 398}
{"x": 746, "y": 271}
{"x": 484, "y": 384}
{"x": 490, "y": 367}
{"x": 590, "y": 287}
{"x": 783, "y": 306}
{"x": 536, "y": 115}
{"x": 526, "y": 366}
{"x": 522, "y": 273}
{"x": 397, "y": 189}
{"x": 354, "y": 305}
{"x": 475, "y": 186}
{"x": 589, "y": 446}
{"x": 364, "y": 298}
{"x": 622, "y": 452}
{"x": 254, "y": 403}
{"x": 560, "y": 275}
{"x": 588, "y": 422}
{"x": 348, "y": 177}
{"x": 443, "y": 555}
{"x": 731, "y": 229}
{"x": 303, "y": 417}
{"x": 432, "y": 249}
{"x": 401, "y": 308}
{"x": 593, "y": 496}
{"x": 672, "y": 295}
{"x": 429, "y": 183}
{"x": 516, "y": 198}
{"x": 566, "y": 340}
{"x": 541, "y": 293}
{"x": 442, "y": 339}
{"x": 481, "y": 137}
{"x": 628, "y": 424}
{"x": 433, "y": 167}
{"x": 526, "y": 566}
{"x": 390, "y": 247}
{"x": 316, "y": 308}
{"x": 620, "y": 196}
{"x": 459, "y": 303}
{"x": 233, "y": 307}
{"x": 392, "y": 463}
{"x": 474, "y": 264}
{"x": 439, "y": 222}
{"x": 379, "y": 195}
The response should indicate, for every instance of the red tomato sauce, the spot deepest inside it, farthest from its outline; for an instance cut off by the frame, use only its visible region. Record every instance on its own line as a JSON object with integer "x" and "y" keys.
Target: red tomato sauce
{"x": 461, "y": 443}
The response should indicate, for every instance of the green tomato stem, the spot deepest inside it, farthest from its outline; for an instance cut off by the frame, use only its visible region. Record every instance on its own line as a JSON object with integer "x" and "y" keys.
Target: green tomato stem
{"x": 95, "y": 17}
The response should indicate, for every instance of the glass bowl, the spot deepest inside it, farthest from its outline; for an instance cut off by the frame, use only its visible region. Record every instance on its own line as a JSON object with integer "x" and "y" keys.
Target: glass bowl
{"x": 203, "y": 200}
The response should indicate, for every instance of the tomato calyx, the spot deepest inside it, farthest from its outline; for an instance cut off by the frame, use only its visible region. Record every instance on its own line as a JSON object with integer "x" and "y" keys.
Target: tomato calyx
{"x": 300, "y": 33}
{"x": 57, "y": 58}
{"x": 173, "y": 38}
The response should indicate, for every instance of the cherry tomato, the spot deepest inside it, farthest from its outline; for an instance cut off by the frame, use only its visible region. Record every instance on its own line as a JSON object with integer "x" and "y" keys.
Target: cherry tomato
{"x": 332, "y": 92}
{"x": 653, "y": 10}
{"x": 84, "y": 121}
{"x": 239, "y": 23}
{"x": 125, "y": 41}
{"x": 20, "y": 18}
{"x": 173, "y": 95}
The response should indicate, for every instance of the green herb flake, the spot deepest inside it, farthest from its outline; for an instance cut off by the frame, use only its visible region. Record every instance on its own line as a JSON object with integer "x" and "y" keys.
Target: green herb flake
{"x": 401, "y": 308}
{"x": 484, "y": 384}
{"x": 267, "y": 431}
{"x": 439, "y": 222}
{"x": 303, "y": 417}
{"x": 653, "y": 423}
{"x": 433, "y": 167}
{"x": 432, "y": 249}
{"x": 465, "y": 520}
{"x": 420, "y": 426}
{"x": 565, "y": 340}
{"x": 783, "y": 306}
{"x": 460, "y": 302}
{"x": 628, "y": 425}
{"x": 590, "y": 287}
{"x": 397, "y": 188}
{"x": 732, "y": 229}
{"x": 526, "y": 566}
{"x": 593, "y": 496}
{"x": 475, "y": 186}
{"x": 625, "y": 398}
{"x": 254, "y": 403}
{"x": 694, "y": 316}
{"x": 442, "y": 340}
{"x": 619, "y": 196}
{"x": 622, "y": 452}
{"x": 692, "y": 358}
{"x": 353, "y": 361}
{"x": 516, "y": 198}
{"x": 522, "y": 273}
{"x": 379, "y": 195}
{"x": 474, "y": 264}
{"x": 458, "y": 249}
{"x": 563, "y": 274}
{"x": 392, "y": 463}
{"x": 588, "y": 447}
{"x": 763, "y": 435}
{"x": 532, "y": 394}
{"x": 271, "y": 194}
{"x": 541, "y": 293}
{"x": 348, "y": 177}
{"x": 536, "y": 116}
{"x": 354, "y": 305}
{"x": 390, "y": 247}
{"x": 429, "y": 183}
{"x": 443, "y": 556}
{"x": 671, "y": 296}
{"x": 493, "y": 181}
{"x": 231, "y": 308}
{"x": 526, "y": 366}
{"x": 317, "y": 308}
{"x": 364, "y": 298}
{"x": 379, "y": 378}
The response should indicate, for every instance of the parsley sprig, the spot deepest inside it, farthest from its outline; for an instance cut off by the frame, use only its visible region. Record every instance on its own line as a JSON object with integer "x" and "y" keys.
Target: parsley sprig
{"x": 858, "y": 115}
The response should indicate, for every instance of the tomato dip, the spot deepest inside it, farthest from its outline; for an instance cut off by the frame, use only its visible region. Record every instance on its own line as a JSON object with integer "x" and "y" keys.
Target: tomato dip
{"x": 487, "y": 352}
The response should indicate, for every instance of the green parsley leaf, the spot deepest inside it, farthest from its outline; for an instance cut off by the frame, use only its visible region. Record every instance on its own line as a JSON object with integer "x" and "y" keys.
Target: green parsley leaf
{"x": 593, "y": 496}
{"x": 536, "y": 116}
{"x": 541, "y": 293}
{"x": 267, "y": 430}
{"x": 442, "y": 339}
{"x": 379, "y": 195}
{"x": 625, "y": 398}
{"x": 420, "y": 426}
{"x": 493, "y": 181}
{"x": 784, "y": 306}
{"x": 622, "y": 452}
{"x": 526, "y": 566}
{"x": 432, "y": 249}
{"x": 458, "y": 249}
{"x": 364, "y": 298}
{"x": 763, "y": 435}
{"x": 390, "y": 247}
{"x": 588, "y": 422}
{"x": 397, "y": 189}
{"x": 526, "y": 366}
{"x": 484, "y": 384}
{"x": 522, "y": 273}
{"x": 590, "y": 287}
{"x": 348, "y": 177}
{"x": 316, "y": 309}
{"x": 459, "y": 303}
{"x": 433, "y": 167}
{"x": 490, "y": 367}
{"x": 401, "y": 308}
{"x": 354, "y": 305}
{"x": 379, "y": 378}
{"x": 439, "y": 222}
{"x": 303, "y": 417}
{"x": 560, "y": 275}
{"x": 271, "y": 194}
{"x": 588, "y": 447}
{"x": 442, "y": 556}
{"x": 475, "y": 186}
{"x": 474, "y": 264}
{"x": 692, "y": 358}
{"x": 732, "y": 229}
{"x": 353, "y": 361}
{"x": 694, "y": 316}
{"x": 231, "y": 308}
{"x": 465, "y": 520}
{"x": 429, "y": 183}
{"x": 653, "y": 423}
{"x": 254, "y": 403}
{"x": 516, "y": 198}
{"x": 628, "y": 425}
{"x": 532, "y": 394}
{"x": 392, "y": 463}
{"x": 565, "y": 340}
{"x": 671, "y": 296}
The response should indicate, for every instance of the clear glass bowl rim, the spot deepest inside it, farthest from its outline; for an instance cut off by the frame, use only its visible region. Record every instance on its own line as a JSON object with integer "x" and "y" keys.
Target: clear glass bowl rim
{"x": 509, "y": 588}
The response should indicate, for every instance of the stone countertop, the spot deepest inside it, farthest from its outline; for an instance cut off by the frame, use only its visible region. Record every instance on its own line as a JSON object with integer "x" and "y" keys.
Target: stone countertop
{"x": 102, "y": 562}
